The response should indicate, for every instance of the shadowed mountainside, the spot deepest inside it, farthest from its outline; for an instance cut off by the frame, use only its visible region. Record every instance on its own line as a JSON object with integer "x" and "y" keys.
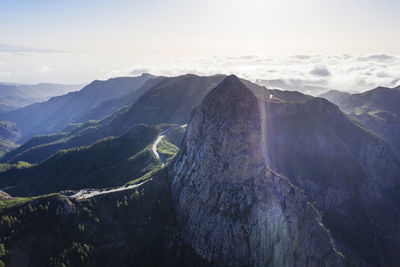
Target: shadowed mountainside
{"x": 349, "y": 174}
{"x": 377, "y": 110}
{"x": 54, "y": 114}
{"x": 14, "y": 96}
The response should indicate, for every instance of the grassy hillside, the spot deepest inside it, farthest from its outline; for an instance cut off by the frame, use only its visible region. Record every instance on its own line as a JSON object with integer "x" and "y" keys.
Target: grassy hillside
{"x": 110, "y": 162}
{"x": 106, "y": 163}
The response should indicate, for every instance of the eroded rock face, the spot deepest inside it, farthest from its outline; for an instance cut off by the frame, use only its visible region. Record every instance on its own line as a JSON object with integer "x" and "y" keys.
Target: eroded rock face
{"x": 349, "y": 174}
{"x": 232, "y": 208}
{"x": 4, "y": 196}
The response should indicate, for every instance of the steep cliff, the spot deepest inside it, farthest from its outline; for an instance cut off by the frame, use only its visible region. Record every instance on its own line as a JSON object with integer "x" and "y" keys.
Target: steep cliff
{"x": 233, "y": 209}
{"x": 348, "y": 173}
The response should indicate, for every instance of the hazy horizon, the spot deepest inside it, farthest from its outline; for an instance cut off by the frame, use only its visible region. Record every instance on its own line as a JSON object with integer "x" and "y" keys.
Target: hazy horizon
{"x": 338, "y": 45}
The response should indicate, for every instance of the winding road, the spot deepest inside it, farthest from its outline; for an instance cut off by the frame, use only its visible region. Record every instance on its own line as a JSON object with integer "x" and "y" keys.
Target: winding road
{"x": 158, "y": 140}
{"x": 88, "y": 193}
{"x": 155, "y": 144}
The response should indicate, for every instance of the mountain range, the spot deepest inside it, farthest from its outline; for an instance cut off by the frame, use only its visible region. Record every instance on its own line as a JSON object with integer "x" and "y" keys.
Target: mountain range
{"x": 202, "y": 170}
{"x": 14, "y": 96}
{"x": 169, "y": 101}
{"x": 57, "y": 112}
{"x": 376, "y": 110}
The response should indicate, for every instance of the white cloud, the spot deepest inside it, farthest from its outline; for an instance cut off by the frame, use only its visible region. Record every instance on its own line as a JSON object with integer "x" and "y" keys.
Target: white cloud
{"x": 321, "y": 71}
{"x": 353, "y": 73}
{"x": 5, "y": 74}
{"x": 380, "y": 58}
{"x": 6, "y": 48}
{"x": 44, "y": 69}
{"x": 342, "y": 72}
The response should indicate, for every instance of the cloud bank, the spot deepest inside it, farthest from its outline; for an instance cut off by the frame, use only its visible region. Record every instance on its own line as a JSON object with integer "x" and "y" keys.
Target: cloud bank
{"x": 311, "y": 74}
{"x": 6, "y": 48}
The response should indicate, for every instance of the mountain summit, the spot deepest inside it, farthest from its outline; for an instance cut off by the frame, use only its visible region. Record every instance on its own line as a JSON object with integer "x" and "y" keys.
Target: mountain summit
{"x": 232, "y": 208}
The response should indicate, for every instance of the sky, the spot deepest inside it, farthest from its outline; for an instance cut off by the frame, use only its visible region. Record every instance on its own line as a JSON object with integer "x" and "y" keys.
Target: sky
{"x": 77, "y": 41}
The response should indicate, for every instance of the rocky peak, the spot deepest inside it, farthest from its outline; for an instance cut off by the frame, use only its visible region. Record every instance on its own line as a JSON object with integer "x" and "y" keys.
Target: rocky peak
{"x": 233, "y": 210}
{"x": 231, "y": 99}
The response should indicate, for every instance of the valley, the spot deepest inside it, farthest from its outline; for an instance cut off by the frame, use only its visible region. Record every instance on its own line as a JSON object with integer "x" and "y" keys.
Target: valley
{"x": 202, "y": 170}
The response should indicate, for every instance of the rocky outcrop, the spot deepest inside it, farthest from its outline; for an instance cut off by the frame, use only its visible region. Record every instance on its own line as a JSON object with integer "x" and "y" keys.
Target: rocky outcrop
{"x": 233, "y": 209}
{"x": 4, "y": 196}
{"x": 65, "y": 207}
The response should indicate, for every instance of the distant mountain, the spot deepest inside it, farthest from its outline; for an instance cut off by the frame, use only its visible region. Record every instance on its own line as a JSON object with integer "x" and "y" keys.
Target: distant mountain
{"x": 169, "y": 101}
{"x": 335, "y": 96}
{"x": 14, "y": 96}
{"x": 377, "y": 110}
{"x": 306, "y": 87}
{"x": 54, "y": 114}
{"x": 9, "y": 133}
{"x": 262, "y": 178}
{"x": 229, "y": 169}
{"x": 106, "y": 108}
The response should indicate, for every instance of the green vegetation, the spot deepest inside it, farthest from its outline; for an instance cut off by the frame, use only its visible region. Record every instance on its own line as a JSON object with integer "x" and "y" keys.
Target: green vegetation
{"x": 169, "y": 101}
{"x": 378, "y": 110}
{"x": 18, "y": 165}
{"x": 19, "y": 201}
{"x": 34, "y": 142}
{"x": 135, "y": 227}
{"x": 175, "y": 137}
{"x": 110, "y": 162}
{"x": 106, "y": 163}
{"x": 166, "y": 149}
{"x": 9, "y": 133}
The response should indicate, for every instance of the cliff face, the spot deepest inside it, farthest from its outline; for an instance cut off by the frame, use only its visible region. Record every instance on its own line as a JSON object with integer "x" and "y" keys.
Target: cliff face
{"x": 319, "y": 149}
{"x": 348, "y": 173}
{"x": 232, "y": 208}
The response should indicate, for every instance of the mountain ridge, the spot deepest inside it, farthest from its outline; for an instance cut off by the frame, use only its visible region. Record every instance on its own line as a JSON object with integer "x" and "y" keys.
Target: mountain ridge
{"x": 54, "y": 114}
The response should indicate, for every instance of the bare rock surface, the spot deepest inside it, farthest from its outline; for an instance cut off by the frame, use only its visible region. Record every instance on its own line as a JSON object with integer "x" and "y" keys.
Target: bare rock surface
{"x": 232, "y": 208}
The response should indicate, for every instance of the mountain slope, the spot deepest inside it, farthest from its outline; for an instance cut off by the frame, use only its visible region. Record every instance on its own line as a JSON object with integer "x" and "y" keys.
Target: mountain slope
{"x": 54, "y": 114}
{"x": 349, "y": 174}
{"x": 136, "y": 227}
{"x": 232, "y": 208}
{"x": 263, "y": 178}
{"x": 335, "y": 96}
{"x": 8, "y": 135}
{"x": 169, "y": 101}
{"x": 14, "y": 96}
{"x": 106, "y": 163}
{"x": 108, "y": 107}
{"x": 378, "y": 110}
